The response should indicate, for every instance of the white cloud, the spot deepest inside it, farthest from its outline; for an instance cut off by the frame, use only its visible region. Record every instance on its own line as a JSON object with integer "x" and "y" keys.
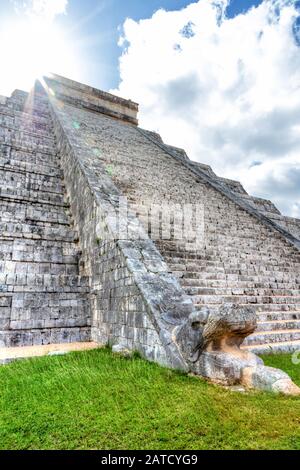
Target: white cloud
{"x": 227, "y": 90}
{"x": 45, "y": 9}
{"x": 33, "y": 44}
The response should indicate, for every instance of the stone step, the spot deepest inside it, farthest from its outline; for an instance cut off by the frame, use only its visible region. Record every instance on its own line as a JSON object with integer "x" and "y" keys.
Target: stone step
{"x": 22, "y": 139}
{"x": 229, "y": 245}
{"x": 269, "y": 337}
{"x": 273, "y": 348}
{"x": 280, "y": 324}
{"x": 269, "y": 311}
{"x": 5, "y": 309}
{"x": 28, "y": 137}
{"x": 39, "y": 229}
{"x": 48, "y": 310}
{"x": 260, "y": 307}
{"x": 38, "y": 336}
{"x": 41, "y": 214}
{"x": 36, "y": 300}
{"x": 279, "y": 315}
{"x": 271, "y": 307}
{"x": 32, "y": 168}
{"x": 37, "y": 110}
{"x": 27, "y": 196}
{"x": 215, "y": 242}
{"x": 38, "y": 217}
{"x": 28, "y": 154}
{"x": 38, "y": 251}
{"x": 231, "y": 256}
{"x": 245, "y": 299}
{"x": 229, "y": 277}
{"x": 19, "y": 105}
{"x": 232, "y": 291}
{"x": 253, "y": 247}
{"x": 27, "y": 111}
{"x": 36, "y": 232}
{"x": 231, "y": 284}
{"x": 39, "y": 300}
{"x": 43, "y": 283}
{"x": 244, "y": 275}
{"x": 222, "y": 266}
{"x": 31, "y": 267}
{"x": 45, "y": 122}
{"x": 23, "y": 115}
{"x": 30, "y": 128}
{"x": 31, "y": 181}
{"x": 25, "y": 142}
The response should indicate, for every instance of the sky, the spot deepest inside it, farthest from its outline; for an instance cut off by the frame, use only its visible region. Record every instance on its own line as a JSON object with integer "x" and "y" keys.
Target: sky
{"x": 219, "y": 78}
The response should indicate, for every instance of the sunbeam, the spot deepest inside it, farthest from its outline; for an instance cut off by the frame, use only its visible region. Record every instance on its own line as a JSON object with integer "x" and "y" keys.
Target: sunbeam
{"x": 31, "y": 47}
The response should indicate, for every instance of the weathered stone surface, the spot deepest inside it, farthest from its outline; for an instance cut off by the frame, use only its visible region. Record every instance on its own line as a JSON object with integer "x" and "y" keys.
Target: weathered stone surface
{"x": 211, "y": 340}
{"x": 122, "y": 350}
{"x": 93, "y": 99}
{"x": 269, "y": 379}
{"x": 42, "y": 297}
{"x": 70, "y": 268}
{"x": 216, "y": 329}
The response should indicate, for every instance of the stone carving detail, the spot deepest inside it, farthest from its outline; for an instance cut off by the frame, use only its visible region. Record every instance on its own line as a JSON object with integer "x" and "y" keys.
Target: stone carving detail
{"x": 211, "y": 339}
{"x": 217, "y": 329}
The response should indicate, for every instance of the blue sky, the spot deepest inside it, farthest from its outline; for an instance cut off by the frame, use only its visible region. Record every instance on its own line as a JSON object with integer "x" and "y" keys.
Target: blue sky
{"x": 228, "y": 92}
{"x": 104, "y": 25}
{"x": 102, "y": 19}
{"x": 94, "y": 27}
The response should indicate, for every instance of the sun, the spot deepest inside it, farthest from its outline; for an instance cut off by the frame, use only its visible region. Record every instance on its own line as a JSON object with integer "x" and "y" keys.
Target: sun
{"x": 31, "y": 48}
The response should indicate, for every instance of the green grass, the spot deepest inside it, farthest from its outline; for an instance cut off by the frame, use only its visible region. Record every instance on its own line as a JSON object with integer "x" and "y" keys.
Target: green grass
{"x": 95, "y": 400}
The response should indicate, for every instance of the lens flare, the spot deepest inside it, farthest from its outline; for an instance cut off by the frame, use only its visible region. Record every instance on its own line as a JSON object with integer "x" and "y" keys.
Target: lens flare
{"x": 30, "y": 48}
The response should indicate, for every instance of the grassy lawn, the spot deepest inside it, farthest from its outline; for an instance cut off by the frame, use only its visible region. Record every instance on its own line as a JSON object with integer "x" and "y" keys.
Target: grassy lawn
{"x": 94, "y": 400}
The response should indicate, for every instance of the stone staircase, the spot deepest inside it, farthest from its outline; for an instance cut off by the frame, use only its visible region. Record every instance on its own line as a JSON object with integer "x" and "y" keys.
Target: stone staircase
{"x": 43, "y": 299}
{"x": 242, "y": 270}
